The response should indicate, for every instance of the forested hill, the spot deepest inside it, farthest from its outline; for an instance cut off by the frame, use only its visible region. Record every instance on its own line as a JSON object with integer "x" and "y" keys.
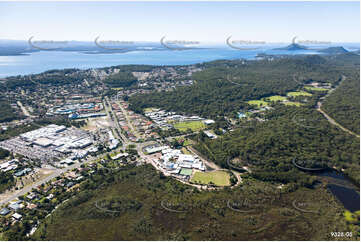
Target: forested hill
{"x": 343, "y": 104}
{"x": 223, "y": 86}
{"x": 269, "y": 148}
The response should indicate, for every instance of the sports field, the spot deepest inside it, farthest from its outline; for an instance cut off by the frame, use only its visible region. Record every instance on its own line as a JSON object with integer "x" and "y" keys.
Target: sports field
{"x": 193, "y": 125}
{"x": 300, "y": 93}
{"x": 316, "y": 88}
{"x": 275, "y": 98}
{"x": 259, "y": 103}
{"x": 219, "y": 178}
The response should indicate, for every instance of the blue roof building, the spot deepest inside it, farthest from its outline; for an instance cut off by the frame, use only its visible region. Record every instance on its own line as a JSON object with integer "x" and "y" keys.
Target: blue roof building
{"x": 4, "y": 211}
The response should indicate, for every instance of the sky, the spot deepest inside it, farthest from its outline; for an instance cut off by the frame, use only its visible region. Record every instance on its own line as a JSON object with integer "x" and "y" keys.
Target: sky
{"x": 191, "y": 21}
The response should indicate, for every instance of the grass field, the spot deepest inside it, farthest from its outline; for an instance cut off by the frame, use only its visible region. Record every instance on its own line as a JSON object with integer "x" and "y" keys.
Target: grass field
{"x": 275, "y": 98}
{"x": 315, "y": 88}
{"x": 187, "y": 142}
{"x": 292, "y": 104}
{"x": 193, "y": 125}
{"x": 299, "y": 93}
{"x": 219, "y": 178}
{"x": 259, "y": 103}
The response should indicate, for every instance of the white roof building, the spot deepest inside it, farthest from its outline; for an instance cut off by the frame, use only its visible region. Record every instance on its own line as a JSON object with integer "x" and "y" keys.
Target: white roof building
{"x": 210, "y": 135}
{"x": 151, "y": 150}
{"x": 17, "y": 216}
{"x": 209, "y": 121}
{"x": 186, "y": 158}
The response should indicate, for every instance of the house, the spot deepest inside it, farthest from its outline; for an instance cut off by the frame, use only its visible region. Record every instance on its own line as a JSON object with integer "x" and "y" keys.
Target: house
{"x": 17, "y": 216}
{"x": 31, "y": 196}
{"x": 4, "y": 211}
{"x": 15, "y": 206}
{"x": 241, "y": 115}
{"x": 31, "y": 206}
{"x": 70, "y": 184}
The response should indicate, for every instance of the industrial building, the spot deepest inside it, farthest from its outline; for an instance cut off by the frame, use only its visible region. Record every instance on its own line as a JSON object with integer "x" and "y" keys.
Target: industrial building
{"x": 50, "y": 142}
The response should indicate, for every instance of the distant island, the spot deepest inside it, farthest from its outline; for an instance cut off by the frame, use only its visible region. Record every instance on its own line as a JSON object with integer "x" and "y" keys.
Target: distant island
{"x": 293, "y": 47}
{"x": 334, "y": 50}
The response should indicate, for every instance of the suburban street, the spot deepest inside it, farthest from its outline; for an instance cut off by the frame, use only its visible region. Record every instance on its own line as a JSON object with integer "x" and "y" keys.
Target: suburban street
{"x": 55, "y": 174}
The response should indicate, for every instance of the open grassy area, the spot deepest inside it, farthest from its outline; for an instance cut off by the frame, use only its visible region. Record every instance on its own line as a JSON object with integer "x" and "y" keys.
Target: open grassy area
{"x": 275, "y": 98}
{"x": 117, "y": 88}
{"x": 299, "y": 93}
{"x": 193, "y": 125}
{"x": 148, "y": 110}
{"x": 292, "y": 104}
{"x": 187, "y": 142}
{"x": 219, "y": 178}
{"x": 259, "y": 103}
{"x": 315, "y": 88}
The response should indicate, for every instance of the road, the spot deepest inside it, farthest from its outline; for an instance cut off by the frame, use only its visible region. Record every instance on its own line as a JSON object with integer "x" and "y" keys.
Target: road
{"x": 139, "y": 147}
{"x": 115, "y": 123}
{"x": 117, "y": 126}
{"x": 125, "y": 113}
{"x": 24, "y": 110}
{"x": 205, "y": 161}
{"x": 331, "y": 120}
{"x": 108, "y": 112}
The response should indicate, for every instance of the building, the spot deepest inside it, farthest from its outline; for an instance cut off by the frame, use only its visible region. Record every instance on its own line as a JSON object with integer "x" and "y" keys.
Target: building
{"x": 31, "y": 196}
{"x": 242, "y": 115}
{"x": 17, "y": 216}
{"x": 4, "y": 211}
{"x": 22, "y": 172}
{"x": 120, "y": 155}
{"x": 210, "y": 135}
{"x": 208, "y": 121}
{"x": 15, "y": 206}
{"x": 66, "y": 162}
{"x": 43, "y": 142}
{"x": 151, "y": 150}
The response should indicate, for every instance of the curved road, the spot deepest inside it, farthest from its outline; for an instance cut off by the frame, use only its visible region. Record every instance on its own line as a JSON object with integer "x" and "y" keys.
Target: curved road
{"x": 331, "y": 120}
